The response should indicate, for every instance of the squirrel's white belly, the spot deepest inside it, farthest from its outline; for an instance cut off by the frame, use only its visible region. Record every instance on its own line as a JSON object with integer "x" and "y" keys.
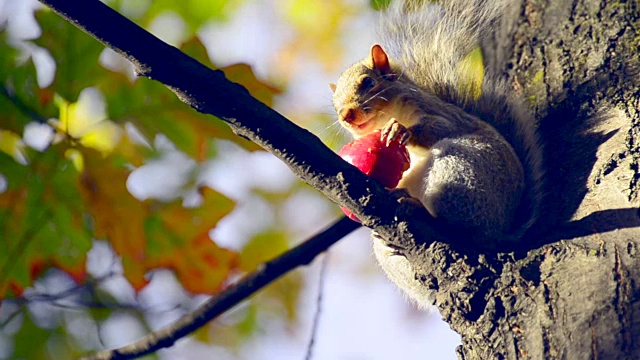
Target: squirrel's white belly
{"x": 414, "y": 178}
{"x": 397, "y": 267}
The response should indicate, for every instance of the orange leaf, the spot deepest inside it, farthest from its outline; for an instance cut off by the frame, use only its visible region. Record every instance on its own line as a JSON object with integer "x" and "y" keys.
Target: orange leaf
{"x": 152, "y": 234}
{"x": 182, "y": 243}
{"x": 202, "y": 266}
{"x": 243, "y": 74}
{"x": 118, "y": 216}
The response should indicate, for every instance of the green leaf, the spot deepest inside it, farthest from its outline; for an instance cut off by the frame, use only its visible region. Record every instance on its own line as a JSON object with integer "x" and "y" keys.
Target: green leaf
{"x": 21, "y": 100}
{"x": 285, "y": 292}
{"x": 261, "y": 248}
{"x": 31, "y": 340}
{"x": 194, "y": 12}
{"x": 154, "y": 109}
{"x": 248, "y": 325}
{"x": 76, "y": 55}
{"x": 42, "y": 222}
{"x": 379, "y": 4}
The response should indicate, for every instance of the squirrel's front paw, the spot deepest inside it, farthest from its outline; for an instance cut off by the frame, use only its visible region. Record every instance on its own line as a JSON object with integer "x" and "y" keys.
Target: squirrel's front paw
{"x": 408, "y": 203}
{"x": 402, "y": 196}
{"x": 394, "y": 131}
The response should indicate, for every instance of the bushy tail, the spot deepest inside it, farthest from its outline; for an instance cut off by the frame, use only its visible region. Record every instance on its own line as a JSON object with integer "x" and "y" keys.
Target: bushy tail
{"x": 430, "y": 39}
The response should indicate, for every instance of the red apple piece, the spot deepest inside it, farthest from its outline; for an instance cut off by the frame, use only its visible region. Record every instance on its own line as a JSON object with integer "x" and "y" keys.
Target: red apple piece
{"x": 373, "y": 157}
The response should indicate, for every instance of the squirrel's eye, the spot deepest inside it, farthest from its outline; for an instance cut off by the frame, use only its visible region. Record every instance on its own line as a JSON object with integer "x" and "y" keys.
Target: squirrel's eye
{"x": 367, "y": 83}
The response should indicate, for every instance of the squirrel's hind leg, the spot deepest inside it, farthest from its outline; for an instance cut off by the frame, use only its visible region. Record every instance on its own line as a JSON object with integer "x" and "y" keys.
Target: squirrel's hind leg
{"x": 471, "y": 185}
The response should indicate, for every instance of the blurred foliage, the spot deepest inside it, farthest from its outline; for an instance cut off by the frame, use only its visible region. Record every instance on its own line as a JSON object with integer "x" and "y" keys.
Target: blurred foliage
{"x": 75, "y": 54}
{"x": 195, "y": 13}
{"x": 58, "y": 199}
{"x": 471, "y": 70}
{"x": 318, "y": 36}
{"x": 20, "y": 94}
{"x": 380, "y": 4}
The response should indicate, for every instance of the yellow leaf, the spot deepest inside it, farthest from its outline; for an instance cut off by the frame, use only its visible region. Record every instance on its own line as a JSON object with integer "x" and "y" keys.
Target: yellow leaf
{"x": 86, "y": 121}
{"x": 76, "y": 159}
{"x": 471, "y": 71}
{"x": 11, "y": 144}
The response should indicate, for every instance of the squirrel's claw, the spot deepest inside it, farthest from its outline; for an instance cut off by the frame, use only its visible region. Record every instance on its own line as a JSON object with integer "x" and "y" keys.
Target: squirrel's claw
{"x": 395, "y": 250}
{"x": 402, "y": 196}
{"x": 394, "y": 131}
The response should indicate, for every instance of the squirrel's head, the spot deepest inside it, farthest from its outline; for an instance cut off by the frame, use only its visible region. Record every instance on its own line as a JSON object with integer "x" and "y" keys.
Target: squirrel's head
{"x": 365, "y": 92}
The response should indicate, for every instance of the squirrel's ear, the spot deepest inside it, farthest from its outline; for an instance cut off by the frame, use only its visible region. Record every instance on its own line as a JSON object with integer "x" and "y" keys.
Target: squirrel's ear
{"x": 380, "y": 60}
{"x": 333, "y": 87}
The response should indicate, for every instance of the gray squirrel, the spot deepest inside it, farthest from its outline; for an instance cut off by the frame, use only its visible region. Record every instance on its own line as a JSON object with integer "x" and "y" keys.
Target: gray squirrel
{"x": 476, "y": 158}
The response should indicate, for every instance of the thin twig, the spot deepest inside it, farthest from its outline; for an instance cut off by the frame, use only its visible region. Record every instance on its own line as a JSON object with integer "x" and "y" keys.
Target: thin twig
{"x": 316, "y": 316}
{"x": 24, "y": 108}
{"x": 300, "y": 255}
{"x": 10, "y": 318}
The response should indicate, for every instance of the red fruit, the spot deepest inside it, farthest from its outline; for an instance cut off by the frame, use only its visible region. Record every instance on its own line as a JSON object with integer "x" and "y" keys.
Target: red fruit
{"x": 373, "y": 157}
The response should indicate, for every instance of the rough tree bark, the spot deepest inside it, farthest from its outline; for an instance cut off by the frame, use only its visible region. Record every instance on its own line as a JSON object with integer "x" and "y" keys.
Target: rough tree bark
{"x": 570, "y": 293}
{"x": 573, "y": 293}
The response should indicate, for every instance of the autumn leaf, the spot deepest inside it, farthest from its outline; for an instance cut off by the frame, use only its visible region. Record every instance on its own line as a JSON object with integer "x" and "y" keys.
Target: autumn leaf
{"x": 41, "y": 220}
{"x": 118, "y": 217}
{"x": 182, "y": 243}
{"x": 152, "y": 234}
{"x": 238, "y": 73}
{"x": 243, "y": 75}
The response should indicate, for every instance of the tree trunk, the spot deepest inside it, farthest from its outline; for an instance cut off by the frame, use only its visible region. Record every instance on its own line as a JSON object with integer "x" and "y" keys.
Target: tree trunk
{"x": 574, "y": 292}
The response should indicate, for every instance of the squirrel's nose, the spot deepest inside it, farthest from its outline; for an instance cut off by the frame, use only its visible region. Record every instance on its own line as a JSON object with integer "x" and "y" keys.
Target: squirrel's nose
{"x": 347, "y": 115}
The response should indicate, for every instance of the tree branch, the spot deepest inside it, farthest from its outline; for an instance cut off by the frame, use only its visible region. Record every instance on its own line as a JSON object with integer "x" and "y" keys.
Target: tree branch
{"x": 302, "y": 254}
{"x": 208, "y": 91}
